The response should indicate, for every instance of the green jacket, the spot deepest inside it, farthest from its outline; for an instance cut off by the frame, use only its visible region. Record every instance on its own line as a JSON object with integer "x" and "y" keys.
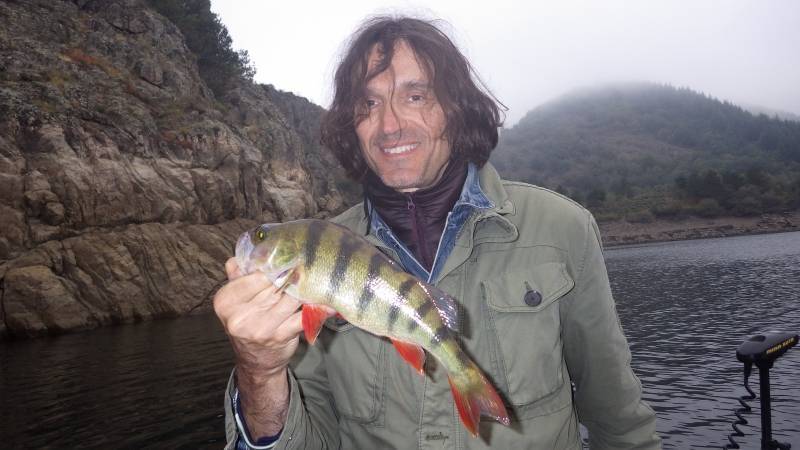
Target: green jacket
{"x": 352, "y": 390}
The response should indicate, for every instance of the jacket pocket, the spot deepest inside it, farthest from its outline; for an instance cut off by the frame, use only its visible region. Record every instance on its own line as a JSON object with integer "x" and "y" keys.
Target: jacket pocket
{"x": 524, "y": 317}
{"x": 355, "y": 365}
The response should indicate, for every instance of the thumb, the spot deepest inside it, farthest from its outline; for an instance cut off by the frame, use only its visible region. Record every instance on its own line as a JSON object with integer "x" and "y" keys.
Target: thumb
{"x": 232, "y": 269}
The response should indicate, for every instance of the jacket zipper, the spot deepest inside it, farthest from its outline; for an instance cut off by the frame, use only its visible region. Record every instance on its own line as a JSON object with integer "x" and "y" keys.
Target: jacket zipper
{"x": 439, "y": 247}
{"x": 418, "y": 232}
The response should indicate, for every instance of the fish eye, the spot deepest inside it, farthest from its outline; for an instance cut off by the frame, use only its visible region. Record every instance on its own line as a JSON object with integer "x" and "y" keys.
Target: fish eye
{"x": 261, "y": 234}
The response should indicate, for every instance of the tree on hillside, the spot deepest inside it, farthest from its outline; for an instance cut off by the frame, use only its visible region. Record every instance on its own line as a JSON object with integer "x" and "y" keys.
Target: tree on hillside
{"x": 219, "y": 64}
{"x": 595, "y": 198}
{"x": 630, "y": 140}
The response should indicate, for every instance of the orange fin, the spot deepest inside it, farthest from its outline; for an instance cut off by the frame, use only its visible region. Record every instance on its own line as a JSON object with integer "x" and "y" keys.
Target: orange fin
{"x": 313, "y": 317}
{"x": 478, "y": 400}
{"x": 412, "y": 353}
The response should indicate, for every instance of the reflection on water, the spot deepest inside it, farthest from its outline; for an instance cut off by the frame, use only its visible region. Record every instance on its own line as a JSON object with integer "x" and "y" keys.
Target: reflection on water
{"x": 685, "y": 306}
{"x": 150, "y": 385}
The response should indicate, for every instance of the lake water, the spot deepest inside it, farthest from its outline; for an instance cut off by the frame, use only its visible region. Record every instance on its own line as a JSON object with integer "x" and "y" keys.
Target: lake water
{"x": 685, "y": 307}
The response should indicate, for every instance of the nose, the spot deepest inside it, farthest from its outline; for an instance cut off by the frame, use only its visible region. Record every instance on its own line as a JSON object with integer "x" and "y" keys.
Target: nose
{"x": 390, "y": 121}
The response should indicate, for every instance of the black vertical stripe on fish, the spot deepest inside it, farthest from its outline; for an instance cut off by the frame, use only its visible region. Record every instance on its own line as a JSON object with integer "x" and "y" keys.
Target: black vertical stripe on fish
{"x": 421, "y": 311}
{"x": 394, "y": 314}
{"x": 347, "y": 247}
{"x": 315, "y": 230}
{"x": 406, "y": 286}
{"x": 463, "y": 359}
{"x": 402, "y": 294}
{"x": 373, "y": 272}
{"x": 442, "y": 333}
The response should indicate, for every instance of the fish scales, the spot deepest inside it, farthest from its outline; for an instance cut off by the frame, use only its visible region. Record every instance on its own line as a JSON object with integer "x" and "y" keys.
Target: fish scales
{"x": 322, "y": 263}
{"x": 374, "y": 296}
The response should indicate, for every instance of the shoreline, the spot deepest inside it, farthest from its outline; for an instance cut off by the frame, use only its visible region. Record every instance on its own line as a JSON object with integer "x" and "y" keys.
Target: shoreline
{"x": 620, "y": 232}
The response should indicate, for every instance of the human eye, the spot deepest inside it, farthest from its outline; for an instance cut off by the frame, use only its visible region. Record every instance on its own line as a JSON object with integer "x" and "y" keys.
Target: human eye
{"x": 370, "y": 103}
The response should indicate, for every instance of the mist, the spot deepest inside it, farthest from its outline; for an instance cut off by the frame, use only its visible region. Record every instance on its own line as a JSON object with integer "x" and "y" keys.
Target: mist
{"x": 746, "y": 52}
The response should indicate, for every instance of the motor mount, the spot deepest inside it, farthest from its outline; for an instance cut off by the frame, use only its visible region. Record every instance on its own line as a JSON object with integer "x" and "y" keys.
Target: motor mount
{"x": 761, "y": 350}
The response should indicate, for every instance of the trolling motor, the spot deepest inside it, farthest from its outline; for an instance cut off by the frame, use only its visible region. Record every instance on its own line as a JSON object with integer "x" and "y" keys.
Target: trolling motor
{"x": 762, "y": 350}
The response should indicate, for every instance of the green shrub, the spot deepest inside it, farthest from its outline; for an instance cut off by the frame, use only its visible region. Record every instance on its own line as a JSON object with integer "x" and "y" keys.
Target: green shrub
{"x": 641, "y": 216}
{"x": 707, "y": 207}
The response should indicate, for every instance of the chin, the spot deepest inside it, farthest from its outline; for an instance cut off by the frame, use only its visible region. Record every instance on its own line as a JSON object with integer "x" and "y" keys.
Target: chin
{"x": 400, "y": 182}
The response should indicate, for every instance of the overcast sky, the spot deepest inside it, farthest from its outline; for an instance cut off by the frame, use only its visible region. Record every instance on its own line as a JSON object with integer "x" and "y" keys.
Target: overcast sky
{"x": 529, "y": 52}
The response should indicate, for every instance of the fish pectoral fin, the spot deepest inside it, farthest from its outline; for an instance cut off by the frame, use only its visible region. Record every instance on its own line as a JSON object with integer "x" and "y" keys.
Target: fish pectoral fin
{"x": 313, "y": 318}
{"x": 285, "y": 278}
{"x": 412, "y": 353}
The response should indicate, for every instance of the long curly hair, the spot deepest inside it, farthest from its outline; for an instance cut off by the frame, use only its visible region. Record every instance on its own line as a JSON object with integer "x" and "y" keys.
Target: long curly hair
{"x": 472, "y": 114}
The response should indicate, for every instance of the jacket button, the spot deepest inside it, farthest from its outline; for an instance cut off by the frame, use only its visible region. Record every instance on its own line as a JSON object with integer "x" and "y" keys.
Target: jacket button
{"x": 532, "y": 297}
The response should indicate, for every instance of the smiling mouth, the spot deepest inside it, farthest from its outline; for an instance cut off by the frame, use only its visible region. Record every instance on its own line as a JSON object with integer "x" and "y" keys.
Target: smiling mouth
{"x": 399, "y": 149}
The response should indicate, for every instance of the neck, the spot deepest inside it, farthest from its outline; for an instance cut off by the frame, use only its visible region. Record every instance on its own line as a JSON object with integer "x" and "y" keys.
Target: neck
{"x": 418, "y": 218}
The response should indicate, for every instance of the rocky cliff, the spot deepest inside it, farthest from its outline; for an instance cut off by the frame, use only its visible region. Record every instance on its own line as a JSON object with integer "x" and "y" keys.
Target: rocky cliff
{"x": 123, "y": 180}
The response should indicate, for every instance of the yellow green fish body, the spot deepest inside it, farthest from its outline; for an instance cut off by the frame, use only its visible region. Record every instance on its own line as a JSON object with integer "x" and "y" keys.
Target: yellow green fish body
{"x": 321, "y": 263}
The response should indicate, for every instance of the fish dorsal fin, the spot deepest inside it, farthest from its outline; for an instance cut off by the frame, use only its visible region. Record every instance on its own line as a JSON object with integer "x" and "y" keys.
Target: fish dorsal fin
{"x": 445, "y": 304}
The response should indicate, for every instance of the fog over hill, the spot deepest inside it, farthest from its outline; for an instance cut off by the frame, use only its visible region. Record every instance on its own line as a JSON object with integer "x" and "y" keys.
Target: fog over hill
{"x": 637, "y": 145}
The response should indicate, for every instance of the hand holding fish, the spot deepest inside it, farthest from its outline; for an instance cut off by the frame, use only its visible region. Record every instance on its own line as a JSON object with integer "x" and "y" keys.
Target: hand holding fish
{"x": 326, "y": 266}
{"x": 263, "y": 325}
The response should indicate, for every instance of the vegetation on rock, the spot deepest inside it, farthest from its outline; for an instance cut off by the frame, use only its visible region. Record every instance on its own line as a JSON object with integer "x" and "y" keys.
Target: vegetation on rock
{"x": 124, "y": 181}
{"x": 207, "y": 37}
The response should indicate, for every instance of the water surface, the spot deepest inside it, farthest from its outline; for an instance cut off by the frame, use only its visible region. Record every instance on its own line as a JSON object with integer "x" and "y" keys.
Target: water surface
{"x": 150, "y": 385}
{"x": 685, "y": 306}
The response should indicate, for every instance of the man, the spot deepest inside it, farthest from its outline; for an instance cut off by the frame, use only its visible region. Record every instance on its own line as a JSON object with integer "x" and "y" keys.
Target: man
{"x": 536, "y": 311}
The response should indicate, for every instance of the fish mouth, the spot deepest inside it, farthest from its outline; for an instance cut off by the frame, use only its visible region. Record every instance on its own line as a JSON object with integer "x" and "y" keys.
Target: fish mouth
{"x": 244, "y": 247}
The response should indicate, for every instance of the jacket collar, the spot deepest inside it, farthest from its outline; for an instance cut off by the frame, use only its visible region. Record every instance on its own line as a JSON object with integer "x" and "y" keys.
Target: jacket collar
{"x": 483, "y": 193}
{"x": 486, "y": 225}
{"x": 472, "y": 194}
{"x": 492, "y": 188}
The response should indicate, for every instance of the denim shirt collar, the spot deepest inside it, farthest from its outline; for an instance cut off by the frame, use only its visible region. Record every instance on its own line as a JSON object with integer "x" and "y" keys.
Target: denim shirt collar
{"x": 472, "y": 198}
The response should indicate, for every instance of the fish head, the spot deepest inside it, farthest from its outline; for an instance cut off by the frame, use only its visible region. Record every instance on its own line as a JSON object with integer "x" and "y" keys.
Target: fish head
{"x": 266, "y": 248}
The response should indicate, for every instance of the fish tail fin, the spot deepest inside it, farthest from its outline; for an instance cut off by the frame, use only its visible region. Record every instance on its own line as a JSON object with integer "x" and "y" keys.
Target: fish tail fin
{"x": 478, "y": 399}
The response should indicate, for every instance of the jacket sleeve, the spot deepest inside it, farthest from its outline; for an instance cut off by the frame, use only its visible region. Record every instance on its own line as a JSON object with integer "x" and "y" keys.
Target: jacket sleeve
{"x": 608, "y": 395}
{"x": 311, "y": 422}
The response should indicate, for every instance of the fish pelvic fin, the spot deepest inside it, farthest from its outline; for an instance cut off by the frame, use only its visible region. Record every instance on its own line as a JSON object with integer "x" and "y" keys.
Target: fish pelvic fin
{"x": 445, "y": 304}
{"x": 313, "y": 318}
{"x": 475, "y": 400}
{"x": 412, "y": 353}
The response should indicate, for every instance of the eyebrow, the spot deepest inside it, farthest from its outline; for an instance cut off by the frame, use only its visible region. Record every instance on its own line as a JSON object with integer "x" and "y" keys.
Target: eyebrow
{"x": 416, "y": 84}
{"x": 410, "y": 84}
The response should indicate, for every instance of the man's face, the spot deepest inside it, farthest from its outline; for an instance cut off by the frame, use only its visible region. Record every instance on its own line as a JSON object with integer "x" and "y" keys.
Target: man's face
{"x": 401, "y": 136}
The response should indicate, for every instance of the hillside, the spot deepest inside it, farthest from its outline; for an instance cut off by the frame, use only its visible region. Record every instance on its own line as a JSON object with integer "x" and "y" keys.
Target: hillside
{"x": 125, "y": 177}
{"x": 643, "y": 150}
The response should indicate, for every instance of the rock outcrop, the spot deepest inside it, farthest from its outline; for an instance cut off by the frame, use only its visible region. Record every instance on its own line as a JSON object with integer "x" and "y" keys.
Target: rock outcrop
{"x": 123, "y": 180}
